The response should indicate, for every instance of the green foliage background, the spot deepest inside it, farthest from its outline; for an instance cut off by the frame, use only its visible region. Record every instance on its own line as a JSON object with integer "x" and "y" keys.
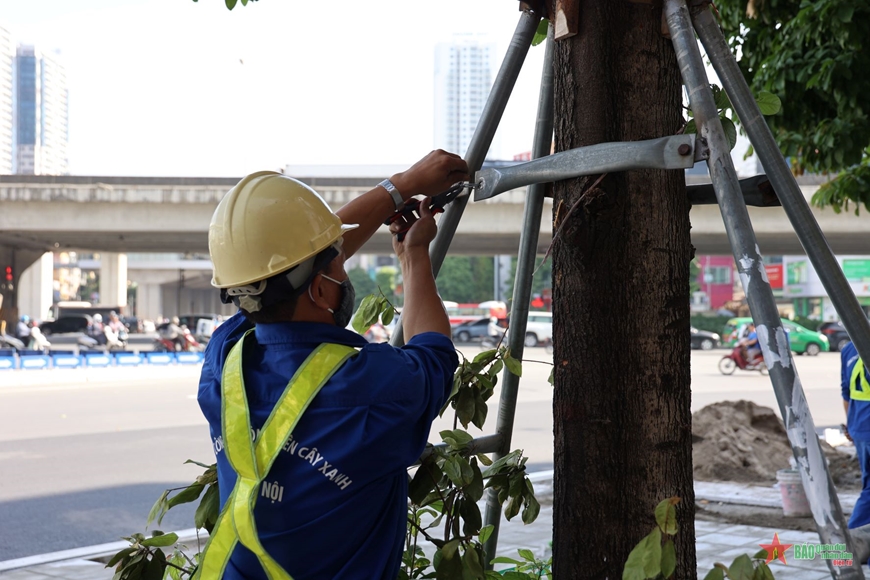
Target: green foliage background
{"x": 812, "y": 55}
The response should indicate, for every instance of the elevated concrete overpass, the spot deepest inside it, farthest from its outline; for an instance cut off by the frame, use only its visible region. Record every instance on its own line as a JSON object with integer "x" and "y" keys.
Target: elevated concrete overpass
{"x": 115, "y": 215}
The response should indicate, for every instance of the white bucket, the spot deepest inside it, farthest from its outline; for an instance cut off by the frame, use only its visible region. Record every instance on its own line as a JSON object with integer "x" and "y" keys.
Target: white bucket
{"x": 794, "y": 498}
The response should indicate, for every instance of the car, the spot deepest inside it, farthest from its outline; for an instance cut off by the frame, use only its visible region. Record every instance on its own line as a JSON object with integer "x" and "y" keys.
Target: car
{"x": 802, "y": 340}
{"x": 838, "y": 338}
{"x": 471, "y": 330}
{"x": 66, "y": 324}
{"x": 539, "y": 328}
{"x": 704, "y": 340}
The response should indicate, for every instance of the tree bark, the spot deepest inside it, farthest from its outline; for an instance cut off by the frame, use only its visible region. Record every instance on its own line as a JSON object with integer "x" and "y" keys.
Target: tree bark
{"x": 622, "y": 397}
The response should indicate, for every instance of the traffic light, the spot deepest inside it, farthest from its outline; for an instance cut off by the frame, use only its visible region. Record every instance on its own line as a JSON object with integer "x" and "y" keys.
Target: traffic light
{"x": 8, "y": 273}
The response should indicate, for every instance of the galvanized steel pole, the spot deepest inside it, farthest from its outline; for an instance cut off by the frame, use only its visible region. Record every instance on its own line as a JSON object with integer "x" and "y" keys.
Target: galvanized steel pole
{"x": 482, "y": 139}
{"x": 796, "y": 207}
{"x": 771, "y": 335}
{"x": 522, "y": 289}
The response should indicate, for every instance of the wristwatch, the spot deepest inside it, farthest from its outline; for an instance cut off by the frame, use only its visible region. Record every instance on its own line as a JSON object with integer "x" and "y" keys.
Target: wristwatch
{"x": 394, "y": 193}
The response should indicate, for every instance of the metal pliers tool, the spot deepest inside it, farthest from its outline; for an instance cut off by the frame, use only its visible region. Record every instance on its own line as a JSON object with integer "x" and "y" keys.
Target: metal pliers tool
{"x": 408, "y": 214}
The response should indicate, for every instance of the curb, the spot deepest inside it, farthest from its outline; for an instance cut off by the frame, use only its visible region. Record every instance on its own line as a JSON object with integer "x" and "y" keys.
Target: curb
{"x": 83, "y": 553}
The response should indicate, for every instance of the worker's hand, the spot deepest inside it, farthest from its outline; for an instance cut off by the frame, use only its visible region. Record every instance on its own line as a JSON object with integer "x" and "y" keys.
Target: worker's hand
{"x": 421, "y": 234}
{"x": 435, "y": 173}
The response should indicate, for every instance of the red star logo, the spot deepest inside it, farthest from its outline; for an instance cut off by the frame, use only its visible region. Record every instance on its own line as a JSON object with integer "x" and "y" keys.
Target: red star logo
{"x": 776, "y": 550}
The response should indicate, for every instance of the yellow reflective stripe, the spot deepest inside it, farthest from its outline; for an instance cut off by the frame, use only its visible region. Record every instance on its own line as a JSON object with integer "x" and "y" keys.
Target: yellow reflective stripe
{"x": 319, "y": 368}
{"x": 220, "y": 545}
{"x": 858, "y": 375}
{"x": 252, "y": 459}
{"x": 235, "y": 418}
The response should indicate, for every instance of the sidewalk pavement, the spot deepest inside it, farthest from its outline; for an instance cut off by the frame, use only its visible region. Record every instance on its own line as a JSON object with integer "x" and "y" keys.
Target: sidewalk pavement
{"x": 716, "y": 541}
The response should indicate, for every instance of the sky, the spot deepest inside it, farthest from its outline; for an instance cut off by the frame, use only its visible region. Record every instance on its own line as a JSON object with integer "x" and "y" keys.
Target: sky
{"x": 178, "y": 88}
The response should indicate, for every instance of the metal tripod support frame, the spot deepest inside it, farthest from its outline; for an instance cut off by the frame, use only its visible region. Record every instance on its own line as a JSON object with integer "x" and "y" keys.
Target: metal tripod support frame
{"x": 796, "y": 208}
{"x": 481, "y": 140}
{"x": 522, "y": 294}
{"x": 787, "y": 387}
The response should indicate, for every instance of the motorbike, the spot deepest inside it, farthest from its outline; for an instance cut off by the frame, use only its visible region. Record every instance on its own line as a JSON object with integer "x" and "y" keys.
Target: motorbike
{"x": 737, "y": 360}
{"x": 115, "y": 340}
{"x": 7, "y": 341}
{"x": 184, "y": 342}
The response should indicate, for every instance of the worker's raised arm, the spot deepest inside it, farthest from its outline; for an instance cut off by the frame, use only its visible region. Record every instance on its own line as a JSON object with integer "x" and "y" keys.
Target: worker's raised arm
{"x": 423, "y": 310}
{"x": 435, "y": 173}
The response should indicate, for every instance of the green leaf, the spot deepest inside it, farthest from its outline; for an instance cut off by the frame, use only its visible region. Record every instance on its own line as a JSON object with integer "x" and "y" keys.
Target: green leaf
{"x": 541, "y": 32}
{"x": 231, "y": 4}
{"x": 471, "y": 561}
{"x": 645, "y": 560}
{"x": 471, "y": 516}
{"x": 366, "y": 314}
{"x": 474, "y": 490}
{"x": 453, "y": 470}
{"x": 527, "y": 555}
{"x": 187, "y": 495}
{"x": 512, "y": 508}
{"x": 127, "y": 551}
{"x": 485, "y": 533}
{"x": 208, "y": 509}
{"x": 845, "y": 11}
{"x": 721, "y": 99}
{"x": 730, "y": 131}
{"x": 715, "y": 574}
{"x": 768, "y": 103}
{"x": 512, "y": 364}
{"x": 424, "y": 481}
{"x": 532, "y": 509}
{"x": 465, "y": 406}
{"x": 691, "y": 127}
{"x": 760, "y": 555}
{"x": 552, "y": 379}
{"x": 387, "y": 314}
{"x": 449, "y": 549}
{"x": 459, "y": 439}
{"x": 666, "y": 515}
{"x": 157, "y": 509}
{"x": 741, "y": 568}
{"x": 669, "y": 559}
{"x": 161, "y": 541}
{"x": 212, "y": 466}
{"x": 504, "y": 560}
{"x": 486, "y": 357}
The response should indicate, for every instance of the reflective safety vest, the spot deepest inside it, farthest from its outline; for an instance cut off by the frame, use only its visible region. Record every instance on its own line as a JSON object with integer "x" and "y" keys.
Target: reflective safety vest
{"x": 856, "y": 394}
{"x": 251, "y": 460}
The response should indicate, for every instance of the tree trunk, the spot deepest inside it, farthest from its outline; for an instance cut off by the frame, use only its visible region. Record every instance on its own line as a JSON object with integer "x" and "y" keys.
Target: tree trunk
{"x": 621, "y": 405}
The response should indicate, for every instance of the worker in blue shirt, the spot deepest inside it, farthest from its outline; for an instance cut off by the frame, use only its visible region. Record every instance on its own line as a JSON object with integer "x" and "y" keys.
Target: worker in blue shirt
{"x": 856, "y": 400}
{"x": 313, "y": 427}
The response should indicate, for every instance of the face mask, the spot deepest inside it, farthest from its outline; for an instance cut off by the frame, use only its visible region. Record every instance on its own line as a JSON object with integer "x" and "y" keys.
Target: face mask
{"x": 345, "y": 308}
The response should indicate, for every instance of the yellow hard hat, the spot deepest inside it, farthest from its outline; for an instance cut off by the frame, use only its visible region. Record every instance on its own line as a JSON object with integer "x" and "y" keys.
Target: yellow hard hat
{"x": 266, "y": 224}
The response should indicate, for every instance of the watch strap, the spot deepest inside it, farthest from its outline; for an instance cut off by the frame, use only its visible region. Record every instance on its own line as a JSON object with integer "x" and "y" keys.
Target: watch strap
{"x": 394, "y": 193}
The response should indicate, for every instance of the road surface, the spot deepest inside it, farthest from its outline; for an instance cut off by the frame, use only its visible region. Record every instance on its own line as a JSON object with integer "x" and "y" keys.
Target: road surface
{"x": 85, "y": 452}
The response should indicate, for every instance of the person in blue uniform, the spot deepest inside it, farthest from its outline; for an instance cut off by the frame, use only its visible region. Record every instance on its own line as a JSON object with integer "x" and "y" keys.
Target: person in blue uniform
{"x": 856, "y": 401}
{"x": 333, "y": 504}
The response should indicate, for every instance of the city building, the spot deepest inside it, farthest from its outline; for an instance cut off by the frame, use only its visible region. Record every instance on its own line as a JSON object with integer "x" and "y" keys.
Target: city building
{"x": 803, "y": 287}
{"x": 42, "y": 114}
{"x": 7, "y": 102}
{"x": 463, "y": 78}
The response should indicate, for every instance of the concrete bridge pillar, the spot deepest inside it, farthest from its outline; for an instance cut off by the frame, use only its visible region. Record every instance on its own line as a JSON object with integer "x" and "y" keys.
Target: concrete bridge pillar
{"x": 18, "y": 259}
{"x": 36, "y": 288}
{"x": 149, "y": 300}
{"x": 113, "y": 279}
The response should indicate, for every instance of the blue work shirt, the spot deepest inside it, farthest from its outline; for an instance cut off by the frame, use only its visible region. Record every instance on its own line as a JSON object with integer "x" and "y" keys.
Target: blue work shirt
{"x": 334, "y": 503}
{"x": 858, "y": 418}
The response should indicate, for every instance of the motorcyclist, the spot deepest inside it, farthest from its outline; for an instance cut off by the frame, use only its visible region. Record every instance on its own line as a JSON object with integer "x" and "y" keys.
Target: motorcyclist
{"x": 96, "y": 329}
{"x": 22, "y": 329}
{"x": 115, "y": 331}
{"x": 175, "y": 332}
{"x": 751, "y": 348}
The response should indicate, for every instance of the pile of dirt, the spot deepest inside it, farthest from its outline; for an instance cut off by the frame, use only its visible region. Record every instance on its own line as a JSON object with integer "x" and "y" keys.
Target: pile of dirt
{"x": 743, "y": 442}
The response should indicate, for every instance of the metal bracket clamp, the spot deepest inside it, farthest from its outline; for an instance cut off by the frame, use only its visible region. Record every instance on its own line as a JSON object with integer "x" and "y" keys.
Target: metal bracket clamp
{"x": 675, "y": 152}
